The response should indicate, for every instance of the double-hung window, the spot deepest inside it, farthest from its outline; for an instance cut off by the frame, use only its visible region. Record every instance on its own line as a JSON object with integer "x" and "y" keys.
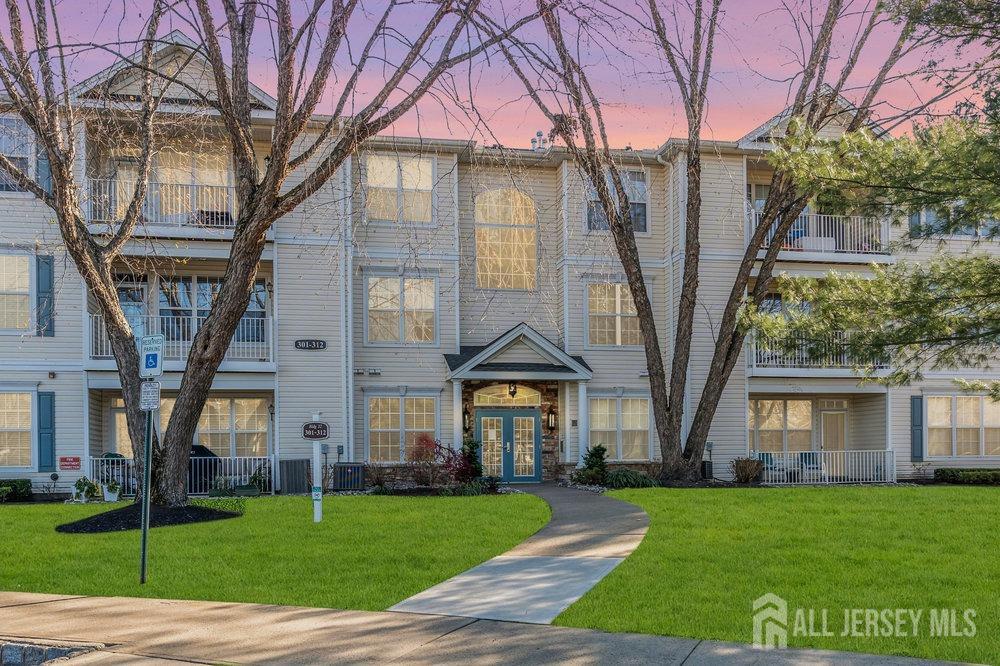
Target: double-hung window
{"x": 506, "y": 240}
{"x": 234, "y": 426}
{"x": 399, "y": 189}
{"x": 15, "y": 429}
{"x": 962, "y": 426}
{"x": 779, "y": 426}
{"x": 621, "y": 425}
{"x": 637, "y": 191}
{"x": 17, "y": 145}
{"x": 612, "y": 319}
{"x": 401, "y": 310}
{"x": 15, "y": 293}
{"x": 395, "y": 423}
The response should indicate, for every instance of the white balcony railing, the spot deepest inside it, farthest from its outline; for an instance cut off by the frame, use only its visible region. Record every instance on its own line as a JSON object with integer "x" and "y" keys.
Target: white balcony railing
{"x": 819, "y": 467}
{"x": 204, "y": 473}
{"x": 252, "y": 340}
{"x": 166, "y": 204}
{"x": 836, "y": 234}
{"x": 768, "y": 352}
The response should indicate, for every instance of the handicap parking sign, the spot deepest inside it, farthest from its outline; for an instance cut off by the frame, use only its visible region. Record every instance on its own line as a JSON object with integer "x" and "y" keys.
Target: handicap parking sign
{"x": 151, "y": 352}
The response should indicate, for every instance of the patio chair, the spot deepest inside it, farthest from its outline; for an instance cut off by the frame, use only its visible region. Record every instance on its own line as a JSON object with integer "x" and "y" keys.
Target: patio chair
{"x": 811, "y": 466}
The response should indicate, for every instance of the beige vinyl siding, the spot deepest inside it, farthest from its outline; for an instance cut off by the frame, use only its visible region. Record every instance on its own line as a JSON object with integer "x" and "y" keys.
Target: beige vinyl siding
{"x": 306, "y": 288}
{"x": 867, "y": 421}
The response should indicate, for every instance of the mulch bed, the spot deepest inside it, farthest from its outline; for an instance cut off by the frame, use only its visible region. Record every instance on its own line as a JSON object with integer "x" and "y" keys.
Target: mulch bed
{"x": 129, "y": 517}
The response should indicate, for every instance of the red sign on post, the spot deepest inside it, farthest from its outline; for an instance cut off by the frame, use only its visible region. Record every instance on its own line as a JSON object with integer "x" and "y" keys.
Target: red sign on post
{"x": 69, "y": 463}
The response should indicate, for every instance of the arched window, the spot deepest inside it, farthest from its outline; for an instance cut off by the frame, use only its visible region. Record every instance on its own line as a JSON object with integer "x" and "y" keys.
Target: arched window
{"x": 506, "y": 240}
{"x": 498, "y": 395}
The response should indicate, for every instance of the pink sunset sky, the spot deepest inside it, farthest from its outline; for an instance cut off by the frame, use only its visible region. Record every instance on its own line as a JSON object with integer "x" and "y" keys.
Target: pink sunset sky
{"x": 754, "y": 53}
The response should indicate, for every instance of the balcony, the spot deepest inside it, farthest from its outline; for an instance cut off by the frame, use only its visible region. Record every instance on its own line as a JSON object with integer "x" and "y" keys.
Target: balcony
{"x": 773, "y": 356}
{"x": 835, "y": 235}
{"x": 170, "y": 205}
{"x": 252, "y": 342}
{"x": 823, "y": 467}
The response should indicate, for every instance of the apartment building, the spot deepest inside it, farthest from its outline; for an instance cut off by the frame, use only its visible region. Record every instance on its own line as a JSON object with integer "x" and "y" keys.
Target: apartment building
{"x": 437, "y": 287}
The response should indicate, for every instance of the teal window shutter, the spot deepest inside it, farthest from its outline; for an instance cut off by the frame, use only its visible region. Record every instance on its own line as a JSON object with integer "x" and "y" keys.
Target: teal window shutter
{"x": 43, "y": 172}
{"x": 46, "y": 431}
{"x": 917, "y": 428}
{"x": 44, "y": 289}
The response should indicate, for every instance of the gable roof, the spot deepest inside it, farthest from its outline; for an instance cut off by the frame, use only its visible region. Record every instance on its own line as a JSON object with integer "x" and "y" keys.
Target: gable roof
{"x": 175, "y": 40}
{"x": 473, "y": 361}
{"x": 759, "y": 137}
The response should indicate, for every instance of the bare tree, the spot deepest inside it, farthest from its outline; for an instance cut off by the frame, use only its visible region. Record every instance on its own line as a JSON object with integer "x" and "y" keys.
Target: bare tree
{"x": 328, "y": 52}
{"x": 559, "y": 86}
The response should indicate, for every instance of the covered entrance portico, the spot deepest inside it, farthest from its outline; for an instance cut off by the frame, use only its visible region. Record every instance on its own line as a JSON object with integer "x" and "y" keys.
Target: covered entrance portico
{"x": 506, "y": 396}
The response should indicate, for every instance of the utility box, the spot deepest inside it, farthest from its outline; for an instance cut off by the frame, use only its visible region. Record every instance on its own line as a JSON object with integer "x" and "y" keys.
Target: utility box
{"x": 706, "y": 469}
{"x": 348, "y": 476}
{"x": 294, "y": 476}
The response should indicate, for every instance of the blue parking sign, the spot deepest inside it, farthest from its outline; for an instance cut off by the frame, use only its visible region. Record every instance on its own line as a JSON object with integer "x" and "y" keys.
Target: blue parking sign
{"x": 151, "y": 354}
{"x": 151, "y": 360}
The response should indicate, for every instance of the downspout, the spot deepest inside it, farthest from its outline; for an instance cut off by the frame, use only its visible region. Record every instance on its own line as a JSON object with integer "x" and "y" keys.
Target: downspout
{"x": 349, "y": 293}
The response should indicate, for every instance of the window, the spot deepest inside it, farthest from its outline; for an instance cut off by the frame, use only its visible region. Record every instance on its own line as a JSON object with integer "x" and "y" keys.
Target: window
{"x": 780, "y": 426}
{"x": 176, "y": 309}
{"x": 252, "y": 326}
{"x": 498, "y": 395}
{"x": 634, "y": 183}
{"x": 621, "y": 425}
{"x": 15, "y": 429}
{"x": 611, "y": 314}
{"x": 929, "y": 222}
{"x": 233, "y": 426}
{"x": 399, "y": 189}
{"x": 395, "y": 423}
{"x": 15, "y": 292}
{"x": 506, "y": 240}
{"x": 401, "y": 310}
{"x": 962, "y": 426}
{"x": 757, "y": 196}
{"x": 17, "y": 144}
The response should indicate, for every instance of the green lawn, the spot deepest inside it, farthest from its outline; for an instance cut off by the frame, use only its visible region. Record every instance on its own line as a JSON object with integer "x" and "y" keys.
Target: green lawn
{"x": 709, "y": 553}
{"x": 368, "y": 553}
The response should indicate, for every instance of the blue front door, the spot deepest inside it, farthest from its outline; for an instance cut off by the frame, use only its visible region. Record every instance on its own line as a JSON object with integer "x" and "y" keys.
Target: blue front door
{"x": 511, "y": 443}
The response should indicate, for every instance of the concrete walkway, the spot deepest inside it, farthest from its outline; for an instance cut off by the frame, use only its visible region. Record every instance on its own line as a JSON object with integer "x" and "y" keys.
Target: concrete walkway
{"x": 159, "y": 631}
{"x": 587, "y": 536}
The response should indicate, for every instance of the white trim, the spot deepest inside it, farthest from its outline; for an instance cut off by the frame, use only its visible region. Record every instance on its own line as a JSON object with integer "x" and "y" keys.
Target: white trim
{"x": 533, "y": 339}
{"x": 621, "y": 286}
{"x": 983, "y": 456}
{"x": 31, "y": 389}
{"x": 400, "y": 394}
{"x": 587, "y": 231}
{"x": 618, "y": 394}
{"x": 399, "y": 222}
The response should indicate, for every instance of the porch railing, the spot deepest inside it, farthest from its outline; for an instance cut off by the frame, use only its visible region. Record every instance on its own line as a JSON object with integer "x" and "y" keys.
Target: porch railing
{"x": 820, "y": 467}
{"x": 204, "y": 473}
{"x": 802, "y": 352}
{"x": 836, "y": 234}
{"x": 252, "y": 340}
{"x": 167, "y": 204}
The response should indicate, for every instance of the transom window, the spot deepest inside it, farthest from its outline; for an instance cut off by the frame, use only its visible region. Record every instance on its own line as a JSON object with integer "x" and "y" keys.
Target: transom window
{"x": 15, "y": 292}
{"x": 611, "y": 315}
{"x": 399, "y": 188}
{"x": 401, "y": 309}
{"x": 779, "y": 426}
{"x": 621, "y": 425}
{"x": 506, "y": 240}
{"x": 634, "y": 182}
{"x": 498, "y": 395}
{"x": 17, "y": 145}
{"x": 395, "y": 423}
{"x": 15, "y": 429}
{"x": 962, "y": 426}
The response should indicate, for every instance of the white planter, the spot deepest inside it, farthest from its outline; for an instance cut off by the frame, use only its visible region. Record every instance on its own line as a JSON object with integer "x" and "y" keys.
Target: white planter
{"x": 110, "y": 496}
{"x": 83, "y": 497}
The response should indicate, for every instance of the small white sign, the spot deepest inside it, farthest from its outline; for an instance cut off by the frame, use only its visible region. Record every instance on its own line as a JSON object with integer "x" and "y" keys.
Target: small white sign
{"x": 149, "y": 396}
{"x": 151, "y": 356}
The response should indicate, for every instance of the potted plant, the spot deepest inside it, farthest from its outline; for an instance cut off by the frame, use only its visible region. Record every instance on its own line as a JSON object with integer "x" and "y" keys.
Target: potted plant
{"x": 111, "y": 490}
{"x": 85, "y": 489}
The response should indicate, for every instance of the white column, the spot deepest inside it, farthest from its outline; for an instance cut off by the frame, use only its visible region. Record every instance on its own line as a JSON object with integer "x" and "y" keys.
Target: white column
{"x": 456, "y": 418}
{"x": 582, "y": 421}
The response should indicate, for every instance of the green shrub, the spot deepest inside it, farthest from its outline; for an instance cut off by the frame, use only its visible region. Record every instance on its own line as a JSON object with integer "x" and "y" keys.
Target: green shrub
{"x": 18, "y": 490}
{"x": 982, "y": 477}
{"x": 237, "y": 505}
{"x": 595, "y": 467}
{"x": 628, "y": 478}
{"x": 4, "y": 491}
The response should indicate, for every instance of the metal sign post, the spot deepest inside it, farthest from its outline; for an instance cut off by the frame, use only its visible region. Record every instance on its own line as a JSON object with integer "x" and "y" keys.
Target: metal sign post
{"x": 316, "y": 431}
{"x": 150, "y": 365}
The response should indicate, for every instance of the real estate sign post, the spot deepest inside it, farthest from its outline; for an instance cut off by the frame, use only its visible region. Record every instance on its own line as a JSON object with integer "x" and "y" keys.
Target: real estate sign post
{"x": 150, "y": 365}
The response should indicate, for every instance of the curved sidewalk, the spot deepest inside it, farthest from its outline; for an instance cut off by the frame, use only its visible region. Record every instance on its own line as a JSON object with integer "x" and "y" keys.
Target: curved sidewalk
{"x": 587, "y": 536}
